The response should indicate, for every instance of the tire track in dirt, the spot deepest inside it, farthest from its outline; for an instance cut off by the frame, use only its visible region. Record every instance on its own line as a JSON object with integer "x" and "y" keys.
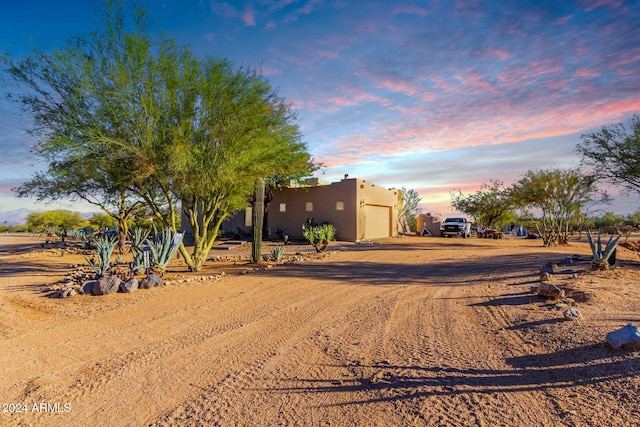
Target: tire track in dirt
{"x": 163, "y": 360}
{"x": 303, "y": 352}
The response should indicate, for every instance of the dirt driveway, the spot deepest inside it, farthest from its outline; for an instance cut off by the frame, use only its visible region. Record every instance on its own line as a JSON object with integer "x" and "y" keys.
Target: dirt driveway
{"x": 406, "y": 332}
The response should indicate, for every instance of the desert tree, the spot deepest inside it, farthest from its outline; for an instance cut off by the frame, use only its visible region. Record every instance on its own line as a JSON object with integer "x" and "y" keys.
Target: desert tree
{"x": 408, "y": 208}
{"x": 138, "y": 121}
{"x": 59, "y": 222}
{"x": 559, "y": 198}
{"x": 613, "y": 154}
{"x": 492, "y": 205}
{"x": 66, "y": 96}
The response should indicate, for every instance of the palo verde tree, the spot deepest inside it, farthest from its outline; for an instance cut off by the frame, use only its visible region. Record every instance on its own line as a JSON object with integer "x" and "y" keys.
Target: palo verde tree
{"x": 162, "y": 126}
{"x": 59, "y": 222}
{"x": 613, "y": 154}
{"x": 65, "y": 94}
{"x": 492, "y": 205}
{"x": 561, "y": 197}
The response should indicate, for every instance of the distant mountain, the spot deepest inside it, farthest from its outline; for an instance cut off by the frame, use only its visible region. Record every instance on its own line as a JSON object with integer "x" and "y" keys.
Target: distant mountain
{"x": 14, "y": 217}
{"x": 19, "y": 216}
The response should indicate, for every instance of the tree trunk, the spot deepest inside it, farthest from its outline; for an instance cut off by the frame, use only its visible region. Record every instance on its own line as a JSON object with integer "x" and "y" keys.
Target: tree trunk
{"x": 258, "y": 216}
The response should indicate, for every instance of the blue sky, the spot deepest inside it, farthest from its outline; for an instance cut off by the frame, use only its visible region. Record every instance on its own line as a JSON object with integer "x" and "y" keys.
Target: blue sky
{"x": 434, "y": 95}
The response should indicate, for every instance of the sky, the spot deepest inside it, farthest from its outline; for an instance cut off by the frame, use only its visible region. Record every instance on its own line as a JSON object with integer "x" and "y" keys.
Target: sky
{"x": 434, "y": 95}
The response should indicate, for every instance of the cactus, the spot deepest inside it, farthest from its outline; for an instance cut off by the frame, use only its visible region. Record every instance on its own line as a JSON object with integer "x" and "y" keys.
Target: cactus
{"x": 105, "y": 244}
{"x": 258, "y": 217}
{"x": 602, "y": 258}
{"x": 163, "y": 247}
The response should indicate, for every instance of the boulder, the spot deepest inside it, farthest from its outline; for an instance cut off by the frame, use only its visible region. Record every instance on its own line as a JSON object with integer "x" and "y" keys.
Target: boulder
{"x": 129, "y": 285}
{"x": 151, "y": 281}
{"x": 572, "y": 314}
{"x": 548, "y": 268}
{"x": 627, "y": 338}
{"x": 106, "y": 285}
{"x": 87, "y": 287}
{"x": 550, "y": 291}
{"x": 546, "y": 277}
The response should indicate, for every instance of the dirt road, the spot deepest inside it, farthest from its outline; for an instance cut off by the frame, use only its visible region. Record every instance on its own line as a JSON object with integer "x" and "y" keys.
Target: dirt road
{"x": 408, "y": 332}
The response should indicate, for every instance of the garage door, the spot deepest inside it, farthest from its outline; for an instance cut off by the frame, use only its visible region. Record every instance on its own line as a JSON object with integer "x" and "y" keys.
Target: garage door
{"x": 377, "y": 221}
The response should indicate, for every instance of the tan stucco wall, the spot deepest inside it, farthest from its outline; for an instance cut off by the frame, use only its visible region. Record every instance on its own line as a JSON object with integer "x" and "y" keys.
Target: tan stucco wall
{"x": 371, "y": 195}
{"x": 324, "y": 199}
{"x": 355, "y": 196}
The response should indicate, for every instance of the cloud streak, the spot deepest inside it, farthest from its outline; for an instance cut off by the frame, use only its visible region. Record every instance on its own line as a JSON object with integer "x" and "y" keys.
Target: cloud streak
{"x": 407, "y": 93}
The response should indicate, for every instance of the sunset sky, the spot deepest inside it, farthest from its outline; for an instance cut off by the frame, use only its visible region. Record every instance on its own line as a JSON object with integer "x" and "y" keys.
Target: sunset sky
{"x": 435, "y": 95}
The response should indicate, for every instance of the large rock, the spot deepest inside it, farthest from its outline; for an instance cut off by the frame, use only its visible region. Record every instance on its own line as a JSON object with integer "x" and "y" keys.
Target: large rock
{"x": 550, "y": 291}
{"x": 129, "y": 285}
{"x": 549, "y": 268}
{"x": 572, "y": 314}
{"x": 87, "y": 287}
{"x": 151, "y": 281}
{"x": 627, "y": 338}
{"x": 106, "y": 285}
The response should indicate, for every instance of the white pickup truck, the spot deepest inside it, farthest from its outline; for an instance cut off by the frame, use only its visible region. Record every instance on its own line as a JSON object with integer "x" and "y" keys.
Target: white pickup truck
{"x": 456, "y": 227}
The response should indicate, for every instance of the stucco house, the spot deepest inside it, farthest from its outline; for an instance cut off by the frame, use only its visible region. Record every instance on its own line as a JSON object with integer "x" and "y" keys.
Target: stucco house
{"x": 358, "y": 209}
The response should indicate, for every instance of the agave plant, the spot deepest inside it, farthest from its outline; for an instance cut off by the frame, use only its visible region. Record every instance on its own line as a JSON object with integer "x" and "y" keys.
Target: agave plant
{"x": 163, "y": 247}
{"x": 105, "y": 245}
{"x": 602, "y": 258}
{"x": 277, "y": 253}
{"x": 319, "y": 236}
{"x": 138, "y": 236}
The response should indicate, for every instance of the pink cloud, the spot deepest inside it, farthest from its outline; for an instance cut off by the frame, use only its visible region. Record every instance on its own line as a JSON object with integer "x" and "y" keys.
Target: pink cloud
{"x": 268, "y": 70}
{"x": 500, "y": 54}
{"x": 563, "y": 20}
{"x": 557, "y": 84}
{"x": 475, "y": 81}
{"x": 584, "y": 72}
{"x": 590, "y": 5}
{"x": 399, "y": 86}
{"x": 249, "y": 16}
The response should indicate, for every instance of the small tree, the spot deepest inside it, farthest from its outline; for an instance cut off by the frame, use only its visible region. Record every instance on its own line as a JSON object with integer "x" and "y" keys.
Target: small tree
{"x": 59, "y": 222}
{"x": 408, "y": 210}
{"x": 561, "y": 197}
{"x": 492, "y": 205}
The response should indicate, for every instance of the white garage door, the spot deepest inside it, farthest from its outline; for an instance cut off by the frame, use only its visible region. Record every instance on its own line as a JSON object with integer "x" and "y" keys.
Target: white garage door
{"x": 377, "y": 221}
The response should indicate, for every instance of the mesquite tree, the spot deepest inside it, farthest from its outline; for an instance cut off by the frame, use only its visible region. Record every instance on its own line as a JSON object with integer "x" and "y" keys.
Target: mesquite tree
{"x": 560, "y": 198}
{"x": 613, "y": 154}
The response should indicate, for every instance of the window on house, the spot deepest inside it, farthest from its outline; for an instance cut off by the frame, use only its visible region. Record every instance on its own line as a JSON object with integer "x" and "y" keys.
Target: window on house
{"x": 339, "y": 205}
{"x": 309, "y": 207}
{"x": 248, "y": 217}
{"x": 283, "y": 207}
